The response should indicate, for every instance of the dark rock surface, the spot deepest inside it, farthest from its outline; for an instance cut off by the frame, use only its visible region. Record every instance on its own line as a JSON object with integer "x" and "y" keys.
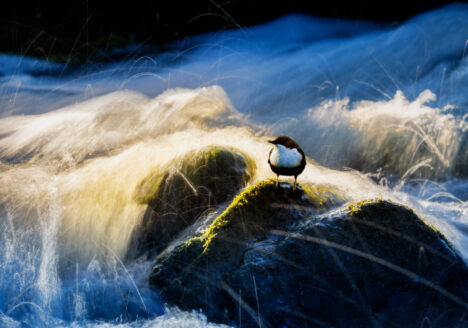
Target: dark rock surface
{"x": 178, "y": 195}
{"x": 271, "y": 259}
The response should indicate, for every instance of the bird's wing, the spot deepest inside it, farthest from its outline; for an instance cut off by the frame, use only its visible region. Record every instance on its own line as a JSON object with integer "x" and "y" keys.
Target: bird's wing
{"x": 269, "y": 155}
{"x": 303, "y": 162}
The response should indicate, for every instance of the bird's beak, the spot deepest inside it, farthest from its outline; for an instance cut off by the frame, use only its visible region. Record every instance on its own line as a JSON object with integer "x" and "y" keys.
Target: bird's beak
{"x": 271, "y": 141}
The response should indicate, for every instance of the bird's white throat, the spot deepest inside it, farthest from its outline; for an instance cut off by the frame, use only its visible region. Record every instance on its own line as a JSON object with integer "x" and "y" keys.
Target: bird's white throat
{"x": 282, "y": 156}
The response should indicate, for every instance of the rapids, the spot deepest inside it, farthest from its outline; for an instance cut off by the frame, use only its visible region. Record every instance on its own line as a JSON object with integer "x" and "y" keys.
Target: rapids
{"x": 380, "y": 111}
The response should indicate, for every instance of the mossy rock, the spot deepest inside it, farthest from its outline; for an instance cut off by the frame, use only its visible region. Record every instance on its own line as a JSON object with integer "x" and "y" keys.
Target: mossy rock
{"x": 273, "y": 258}
{"x": 191, "y": 274}
{"x": 323, "y": 196}
{"x": 178, "y": 195}
{"x": 259, "y": 209}
{"x": 374, "y": 264}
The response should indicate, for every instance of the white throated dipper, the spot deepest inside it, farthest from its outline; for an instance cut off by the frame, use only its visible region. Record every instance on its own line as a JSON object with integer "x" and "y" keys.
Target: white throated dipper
{"x": 286, "y": 158}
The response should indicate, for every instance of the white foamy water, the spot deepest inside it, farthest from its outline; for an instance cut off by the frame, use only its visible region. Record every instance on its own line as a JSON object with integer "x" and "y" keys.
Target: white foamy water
{"x": 379, "y": 110}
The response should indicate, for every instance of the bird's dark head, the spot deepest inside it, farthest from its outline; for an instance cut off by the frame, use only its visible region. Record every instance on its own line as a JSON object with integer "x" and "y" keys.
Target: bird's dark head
{"x": 285, "y": 141}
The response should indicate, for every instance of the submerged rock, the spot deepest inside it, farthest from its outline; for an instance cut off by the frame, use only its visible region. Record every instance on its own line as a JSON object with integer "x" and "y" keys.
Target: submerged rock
{"x": 177, "y": 196}
{"x": 272, "y": 259}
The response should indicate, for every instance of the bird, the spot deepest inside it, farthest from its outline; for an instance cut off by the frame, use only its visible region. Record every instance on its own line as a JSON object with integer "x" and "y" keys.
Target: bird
{"x": 286, "y": 158}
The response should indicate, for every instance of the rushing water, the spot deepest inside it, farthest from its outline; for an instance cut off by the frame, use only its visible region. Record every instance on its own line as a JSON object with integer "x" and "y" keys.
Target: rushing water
{"x": 380, "y": 110}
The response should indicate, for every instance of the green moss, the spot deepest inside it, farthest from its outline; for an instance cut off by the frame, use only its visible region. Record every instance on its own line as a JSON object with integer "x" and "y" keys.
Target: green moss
{"x": 243, "y": 200}
{"x": 177, "y": 195}
{"x": 323, "y": 195}
{"x": 213, "y": 163}
{"x": 250, "y": 217}
{"x": 377, "y": 209}
{"x": 252, "y": 211}
{"x": 237, "y": 246}
{"x": 355, "y": 208}
{"x": 148, "y": 187}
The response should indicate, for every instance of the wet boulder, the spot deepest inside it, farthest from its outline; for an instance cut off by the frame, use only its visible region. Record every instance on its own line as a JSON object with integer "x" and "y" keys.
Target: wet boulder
{"x": 278, "y": 258}
{"x": 178, "y": 195}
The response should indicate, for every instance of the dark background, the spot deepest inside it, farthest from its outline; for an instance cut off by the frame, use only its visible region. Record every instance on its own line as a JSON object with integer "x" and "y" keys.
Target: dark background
{"x": 78, "y": 31}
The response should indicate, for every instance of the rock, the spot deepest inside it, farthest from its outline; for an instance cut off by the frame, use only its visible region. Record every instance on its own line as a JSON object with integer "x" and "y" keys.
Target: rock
{"x": 272, "y": 259}
{"x": 177, "y": 196}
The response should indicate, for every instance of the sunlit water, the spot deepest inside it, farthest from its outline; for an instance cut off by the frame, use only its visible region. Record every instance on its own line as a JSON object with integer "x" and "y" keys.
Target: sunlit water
{"x": 380, "y": 111}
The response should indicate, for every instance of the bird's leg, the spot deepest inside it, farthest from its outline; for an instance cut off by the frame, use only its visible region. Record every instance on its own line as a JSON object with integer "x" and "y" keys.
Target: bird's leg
{"x": 295, "y": 183}
{"x": 277, "y": 180}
